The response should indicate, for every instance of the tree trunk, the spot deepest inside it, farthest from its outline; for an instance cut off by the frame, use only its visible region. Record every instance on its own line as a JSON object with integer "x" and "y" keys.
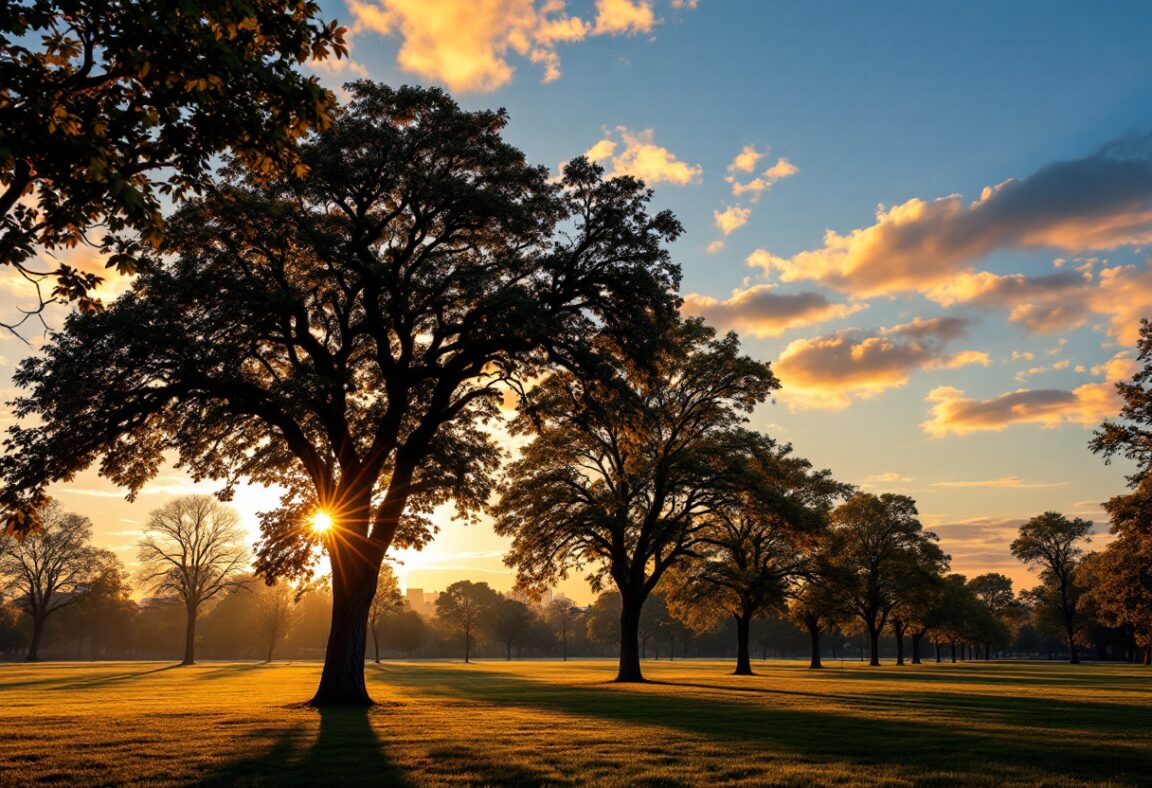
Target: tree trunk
{"x": 1148, "y": 655}
{"x": 938, "y": 659}
{"x": 814, "y": 635}
{"x": 743, "y": 656}
{"x": 629, "y": 668}
{"x": 190, "y": 636}
{"x": 508, "y": 651}
{"x": 898, "y": 630}
{"x": 916, "y": 638}
{"x": 355, "y": 569}
{"x": 375, "y": 644}
{"x": 953, "y": 645}
{"x": 37, "y": 634}
{"x": 873, "y": 645}
{"x": 1072, "y": 645}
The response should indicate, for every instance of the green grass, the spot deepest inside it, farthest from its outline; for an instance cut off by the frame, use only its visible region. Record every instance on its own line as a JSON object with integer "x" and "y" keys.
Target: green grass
{"x": 561, "y": 723}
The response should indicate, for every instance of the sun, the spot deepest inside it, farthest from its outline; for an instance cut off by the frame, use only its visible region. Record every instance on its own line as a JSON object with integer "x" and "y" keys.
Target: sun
{"x": 321, "y": 522}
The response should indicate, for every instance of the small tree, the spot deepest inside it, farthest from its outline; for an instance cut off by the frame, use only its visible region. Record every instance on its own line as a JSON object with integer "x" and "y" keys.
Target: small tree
{"x": 757, "y": 543}
{"x": 193, "y": 549}
{"x": 48, "y": 570}
{"x": 560, "y": 615}
{"x": 387, "y": 601}
{"x": 275, "y": 610}
{"x": 104, "y": 614}
{"x": 511, "y": 623}
{"x": 880, "y": 546}
{"x": 626, "y": 465}
{"x": 464, "y": 605}
{"x": 1051, "y": 542}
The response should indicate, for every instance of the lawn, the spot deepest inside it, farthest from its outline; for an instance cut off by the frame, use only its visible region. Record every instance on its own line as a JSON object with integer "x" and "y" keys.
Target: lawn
{"x": 560, "y": 723}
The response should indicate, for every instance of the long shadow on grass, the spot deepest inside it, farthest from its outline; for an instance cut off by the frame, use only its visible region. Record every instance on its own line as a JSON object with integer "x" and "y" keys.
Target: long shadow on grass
{"x": 346, "y": 751}
{"x": 917, "y": 736}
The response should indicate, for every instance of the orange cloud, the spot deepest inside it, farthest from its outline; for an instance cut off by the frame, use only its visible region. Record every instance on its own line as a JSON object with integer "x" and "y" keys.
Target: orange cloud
{"x": 641, "y": 157}
{"x": 1100, "y": 202}
{"x": 762, "y": 312}
{"x": 955, "y": 414}
{"x": 731, "y": 219}
{"x": 745, "y": 162}
{"x": 466, "y": 44}
{"x": 829, "y": 372}
{"x": 1013, "y": 482}
{"x": 616, "y": 17}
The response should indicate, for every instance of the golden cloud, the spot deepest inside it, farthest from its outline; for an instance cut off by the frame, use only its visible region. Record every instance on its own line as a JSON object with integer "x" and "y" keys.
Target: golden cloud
{"x": 762, "y": 312}
{"x": 1101, "y": 202}
{"x": 829, "y": 372}
{"x": 466, "y": 44}
{"x": 642, "y": 158}
{"x": 731, "y": 219}
{"x": 955, "y": 414}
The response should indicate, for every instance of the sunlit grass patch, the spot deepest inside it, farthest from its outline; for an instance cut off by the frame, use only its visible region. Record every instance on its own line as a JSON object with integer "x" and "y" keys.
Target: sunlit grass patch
{"x": 562, "y": 723}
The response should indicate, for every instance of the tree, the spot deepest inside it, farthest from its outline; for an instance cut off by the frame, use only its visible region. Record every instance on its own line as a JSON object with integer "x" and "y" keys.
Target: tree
{"x": 403, "y": 629}
{"x": 107, "y": 105}
{"x": 48, "y": 570}
{"x": 386, "y": 601}
{"x": 559, "y": 615}
{"x": 104, "y": 613}
{"x": 1131, "y": 435}
{"x": 882, "y": 548}
{"x": 193, "y": 549}
{"x": 817, "y": 604}
{"x": 274, "y": 613}
{"x": 511, "y": 622}
{"x": 995, "y": 591}
{"x": 1050, "y": 542}
{"x": 1122, "y": 572}
{"x": 757, "y": 543}
{"x": 464, "y": 606}
{"x": 346, "y": 335}
{"x": 624, "y": 467}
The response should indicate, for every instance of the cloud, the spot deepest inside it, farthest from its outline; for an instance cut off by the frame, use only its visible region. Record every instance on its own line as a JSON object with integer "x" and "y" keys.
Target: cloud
{"x": 890, "y": 477}
{"x": 715, "y": 246}
{"x": 828, "y": 372}
{"x": 638, "y": 155}
{"x": 762, "y": 312}
{"x": 1014, "y": 482}
{"x": 745, "y": 162}
{"x": 1100, "y": 202}
{"x": 466, "y": 44}
{"x": 731, "y": 219}
{"x": 619, "y": 17}
{"x": 955, "y": 414}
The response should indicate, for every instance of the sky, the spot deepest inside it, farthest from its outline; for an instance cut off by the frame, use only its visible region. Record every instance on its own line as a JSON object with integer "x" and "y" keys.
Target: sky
{"x": 934, "y": 219}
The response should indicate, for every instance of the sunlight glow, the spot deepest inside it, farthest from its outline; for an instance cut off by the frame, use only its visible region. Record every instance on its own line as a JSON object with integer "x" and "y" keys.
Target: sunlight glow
{"x": 321, "y": 522}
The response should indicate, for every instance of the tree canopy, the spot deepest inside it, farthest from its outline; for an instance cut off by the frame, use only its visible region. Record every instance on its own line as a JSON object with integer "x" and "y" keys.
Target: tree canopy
{"x": 625, "y": 464}
{"x": 347, "y": 333}
{"x": 107, "y": 105}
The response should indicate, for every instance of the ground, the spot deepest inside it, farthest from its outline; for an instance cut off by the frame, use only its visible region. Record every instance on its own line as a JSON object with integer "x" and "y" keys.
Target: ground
{"x": 559, "y": 723}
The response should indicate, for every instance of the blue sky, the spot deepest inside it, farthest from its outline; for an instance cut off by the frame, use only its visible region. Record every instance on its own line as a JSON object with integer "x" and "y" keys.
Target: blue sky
{"x": 953, "y": 344}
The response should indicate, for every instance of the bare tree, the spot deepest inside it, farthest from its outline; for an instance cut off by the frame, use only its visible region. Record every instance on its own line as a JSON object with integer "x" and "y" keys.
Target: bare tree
{"x": 193, "y": 549}
{"x": 275, "y": 611}
{"x": 47, "y": 570}
{"x": 386, "y": 601}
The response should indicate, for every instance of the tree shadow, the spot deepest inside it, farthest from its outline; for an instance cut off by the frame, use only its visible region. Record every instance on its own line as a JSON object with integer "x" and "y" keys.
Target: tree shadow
{"x": 345, "y": 751}
{"x": 930, "y": 734}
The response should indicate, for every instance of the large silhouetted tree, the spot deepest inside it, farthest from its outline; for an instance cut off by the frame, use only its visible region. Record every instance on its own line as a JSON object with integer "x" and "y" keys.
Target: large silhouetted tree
{"x": 757, "y": 543}
{"x": 880, "y": 543}
{"x": 192, "y": 550}
{"x": 1051, "y": 543}
{"x": 626, "y": 467}
{"x": 105, "y": 105}
{"x": 347, "y": 334}
{"x": 48, "y": 570}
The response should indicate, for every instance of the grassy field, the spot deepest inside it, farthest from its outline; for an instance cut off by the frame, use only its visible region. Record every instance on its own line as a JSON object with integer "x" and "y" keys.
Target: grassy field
{"x": 561, "y": 723}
